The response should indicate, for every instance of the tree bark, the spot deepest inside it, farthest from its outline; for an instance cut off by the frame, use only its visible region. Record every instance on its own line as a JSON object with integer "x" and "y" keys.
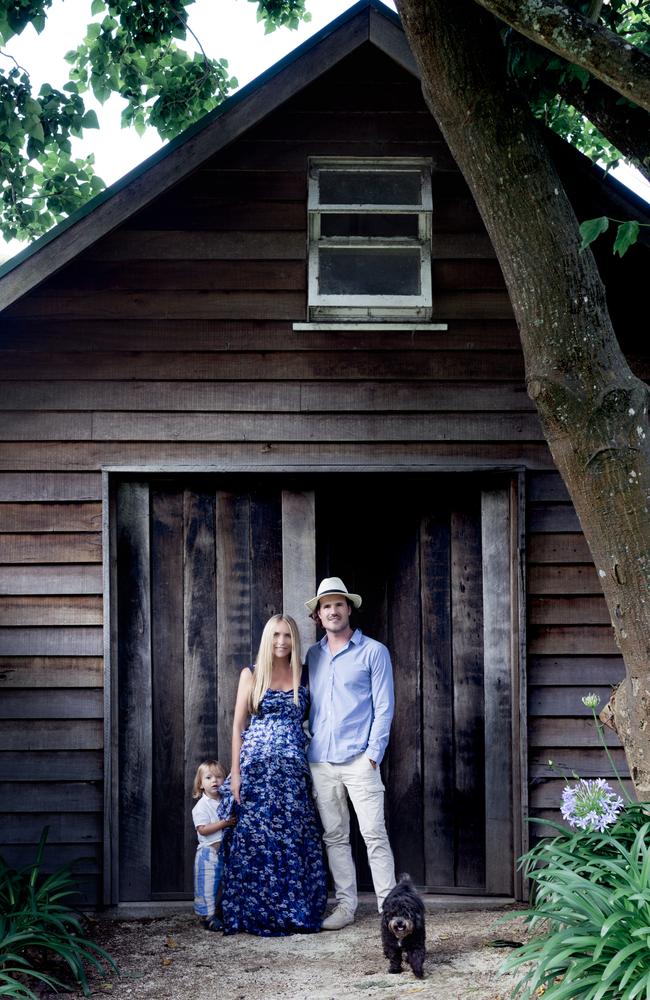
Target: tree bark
{"x": 563, "y": 30}
{"x": 594, "y": 411}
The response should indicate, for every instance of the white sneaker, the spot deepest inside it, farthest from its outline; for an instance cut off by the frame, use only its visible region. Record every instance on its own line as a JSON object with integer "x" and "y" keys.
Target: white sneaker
{"x": 338, "y": 918}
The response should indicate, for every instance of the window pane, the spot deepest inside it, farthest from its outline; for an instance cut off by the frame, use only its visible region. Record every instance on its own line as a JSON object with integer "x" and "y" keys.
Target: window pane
{"x": 369, "y": 272}
{"x": 360, "y": 224}
{"x": 370, "y": 187}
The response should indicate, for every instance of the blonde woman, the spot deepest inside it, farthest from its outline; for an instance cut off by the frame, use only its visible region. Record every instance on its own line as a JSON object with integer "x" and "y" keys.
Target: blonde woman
{"x": 275, "y": 880}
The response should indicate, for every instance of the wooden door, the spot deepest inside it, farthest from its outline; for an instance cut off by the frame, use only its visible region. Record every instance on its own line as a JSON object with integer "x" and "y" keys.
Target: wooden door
{"x": 431, "y": 557}
{"x": 200, "y": 564}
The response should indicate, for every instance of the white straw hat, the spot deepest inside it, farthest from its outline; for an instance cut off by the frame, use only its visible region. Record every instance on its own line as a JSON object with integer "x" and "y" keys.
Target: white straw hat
{"x": 332, "y": 585}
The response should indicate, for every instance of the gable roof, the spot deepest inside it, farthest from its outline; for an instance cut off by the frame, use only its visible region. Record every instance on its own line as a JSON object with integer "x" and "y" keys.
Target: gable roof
{"x": 368, "y": 20}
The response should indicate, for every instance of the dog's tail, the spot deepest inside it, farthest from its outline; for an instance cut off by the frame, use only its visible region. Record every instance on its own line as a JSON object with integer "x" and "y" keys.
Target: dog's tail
{"x": 405, "y": 877}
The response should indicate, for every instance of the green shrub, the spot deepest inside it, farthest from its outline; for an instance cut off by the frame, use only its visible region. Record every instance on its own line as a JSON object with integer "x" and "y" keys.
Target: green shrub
{"x": 590, "y": 913}
{"x": 39, "y": 929}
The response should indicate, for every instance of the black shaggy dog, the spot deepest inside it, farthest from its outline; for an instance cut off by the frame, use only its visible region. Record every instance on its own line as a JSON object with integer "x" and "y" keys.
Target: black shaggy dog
{"x": 402, "y": 927}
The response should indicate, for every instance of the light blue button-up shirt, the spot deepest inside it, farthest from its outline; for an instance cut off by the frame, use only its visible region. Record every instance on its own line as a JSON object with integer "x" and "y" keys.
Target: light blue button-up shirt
{"x": 352, "y": 700}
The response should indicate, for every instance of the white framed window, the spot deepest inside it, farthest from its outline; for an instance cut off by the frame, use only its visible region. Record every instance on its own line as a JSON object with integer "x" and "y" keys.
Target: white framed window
{"x": 369, "y": 239}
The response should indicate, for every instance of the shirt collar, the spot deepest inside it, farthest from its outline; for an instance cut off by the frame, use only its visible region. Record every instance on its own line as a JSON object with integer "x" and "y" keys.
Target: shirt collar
{"x": 355, "y": 639}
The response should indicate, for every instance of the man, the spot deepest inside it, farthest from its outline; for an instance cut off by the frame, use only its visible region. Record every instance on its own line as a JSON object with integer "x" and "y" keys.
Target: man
{"x": 352, "y": 702}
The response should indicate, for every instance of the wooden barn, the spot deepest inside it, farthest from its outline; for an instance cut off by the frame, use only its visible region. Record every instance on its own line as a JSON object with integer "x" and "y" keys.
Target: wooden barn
{"x": 280, "y": 350}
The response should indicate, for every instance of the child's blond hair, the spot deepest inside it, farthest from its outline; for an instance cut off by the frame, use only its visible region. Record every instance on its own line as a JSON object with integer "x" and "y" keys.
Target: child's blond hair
{"x": 197, "y": 791}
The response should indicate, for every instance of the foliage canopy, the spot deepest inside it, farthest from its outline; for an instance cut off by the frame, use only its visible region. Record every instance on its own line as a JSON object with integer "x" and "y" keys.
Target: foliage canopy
{"x": 135, "y": 50}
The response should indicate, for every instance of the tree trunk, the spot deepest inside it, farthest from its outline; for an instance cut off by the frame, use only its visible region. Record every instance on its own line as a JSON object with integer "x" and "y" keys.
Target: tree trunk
{"x": 593, "y": 409}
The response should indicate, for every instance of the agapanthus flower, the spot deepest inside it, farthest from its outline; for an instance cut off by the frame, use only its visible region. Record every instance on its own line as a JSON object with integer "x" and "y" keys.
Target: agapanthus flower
{"x": 590, "y": 805}
{"x": 591, "y": 700}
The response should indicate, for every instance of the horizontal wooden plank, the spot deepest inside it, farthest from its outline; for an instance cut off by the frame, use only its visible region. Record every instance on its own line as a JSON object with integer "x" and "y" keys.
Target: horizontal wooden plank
{"x": 559, "y": 732}
{"x": 51, "y": 671}
{"x": 226, "y": 186}
{"x": 182, "y": 244}
{"x": 108, "y": 426}
{"x": 461, "y": 246}
{"x": 556, "y": 517}
{"x": 185, "y": 245}
{"x": 248, "y": 365}
{"x": 544, "y": 487}
{"x": 72, "y": 547}
{"x": 204, "y": 457}
{"x": 553, "y": 701}
{"x": 64, "y": 796}
{"x": 50, "y": 516}
{"x": 548, "y": 793}
{"x": 567, "y": 761}
{"x": 310, "y": 427}
{"x": 564, "y": 579}
{"x": 451, "y": 275}
{"x": 539, "y": 827}
{"x": 60, "y": 578}
{"x": 571, "y": 640}
{"x": 382, "y": 126}
{"x": 27, "y": 426}
{"x": 85, "y": 859}
{"x": 211, "y": 305}
{"x": 51, "y": 734}
{"x": 58, "y": 610}
{"x": 51, "y": 765}
{"x": 28, "y": 336}
{"x": 224, "y": 397}
{"x": 52, "y": 703}
{"x": 568, "y": 610}
{"x": 64, "y": 828}
{"x": 409, "y": 396}
{"x": 49, "y": 486}
{"x": 557, "y": 548}
{"x": 587, "y": 670}
{"x": 334, "y": 91}
{"x": 167, "y": 304}
{"x": 83, "y": 641}
{"x": 249, "y": 152}
{"x": 152, "y": 275}
{"x": 207, "y": 213}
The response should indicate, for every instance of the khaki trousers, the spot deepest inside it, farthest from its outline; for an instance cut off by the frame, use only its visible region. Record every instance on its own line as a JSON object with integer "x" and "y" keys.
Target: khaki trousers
{"x": 332, "y": 783}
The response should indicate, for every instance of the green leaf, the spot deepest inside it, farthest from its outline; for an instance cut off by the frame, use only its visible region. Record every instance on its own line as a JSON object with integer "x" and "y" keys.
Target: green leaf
{"x": 97, "y": 7}
{"x": 626, "y": 234}
{"x": 90, "y": 120}
{"x": 591, "y": 229}
{"x": 35, "y": 130}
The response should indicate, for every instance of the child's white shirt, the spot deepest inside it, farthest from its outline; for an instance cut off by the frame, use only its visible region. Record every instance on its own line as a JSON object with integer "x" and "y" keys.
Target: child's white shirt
{"x": 204, "y": 812}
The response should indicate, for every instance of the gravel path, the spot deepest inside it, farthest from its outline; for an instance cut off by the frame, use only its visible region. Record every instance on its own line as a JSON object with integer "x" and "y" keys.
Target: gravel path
{"x": 172, "y": 958}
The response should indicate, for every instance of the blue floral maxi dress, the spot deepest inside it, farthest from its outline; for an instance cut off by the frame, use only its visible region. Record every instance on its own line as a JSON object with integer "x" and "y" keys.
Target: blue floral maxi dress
{"x": 274, "y": 881}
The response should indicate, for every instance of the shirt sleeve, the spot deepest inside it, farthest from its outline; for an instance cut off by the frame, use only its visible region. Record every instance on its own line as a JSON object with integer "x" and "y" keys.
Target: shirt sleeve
{"x": 383, "y": 703}
{"x": 201, "y": 814}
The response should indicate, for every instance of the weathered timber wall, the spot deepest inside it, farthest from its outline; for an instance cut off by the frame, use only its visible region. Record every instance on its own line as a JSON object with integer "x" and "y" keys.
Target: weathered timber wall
{"x": 170, "y": 343}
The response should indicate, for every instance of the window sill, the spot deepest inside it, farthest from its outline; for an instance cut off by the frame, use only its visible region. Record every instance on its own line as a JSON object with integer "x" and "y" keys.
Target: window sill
{"x": 362, "y": 325}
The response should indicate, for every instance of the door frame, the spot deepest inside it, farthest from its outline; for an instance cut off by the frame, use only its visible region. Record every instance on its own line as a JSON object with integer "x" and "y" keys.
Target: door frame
{"x": 511, "y": 479}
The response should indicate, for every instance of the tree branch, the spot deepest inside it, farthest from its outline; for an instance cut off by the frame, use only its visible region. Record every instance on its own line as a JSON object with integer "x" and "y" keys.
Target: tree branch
{"x": 624, "y": 125}
{"x": 606, "y": 55}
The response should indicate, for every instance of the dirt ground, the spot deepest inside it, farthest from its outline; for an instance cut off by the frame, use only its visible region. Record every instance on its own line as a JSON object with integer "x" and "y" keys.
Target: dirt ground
{"x": 172, "y": 958}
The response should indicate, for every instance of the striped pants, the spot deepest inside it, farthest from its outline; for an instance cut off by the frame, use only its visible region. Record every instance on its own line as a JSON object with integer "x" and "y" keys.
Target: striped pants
{"x": 208, "y": 870}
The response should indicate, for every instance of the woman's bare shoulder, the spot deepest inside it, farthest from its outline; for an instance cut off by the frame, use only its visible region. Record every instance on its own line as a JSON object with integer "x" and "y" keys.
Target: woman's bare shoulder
{"x": 246, "y": 676}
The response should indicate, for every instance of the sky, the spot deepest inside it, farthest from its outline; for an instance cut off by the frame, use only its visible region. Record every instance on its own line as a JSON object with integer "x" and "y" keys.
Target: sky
{"x": 226, "y": 28}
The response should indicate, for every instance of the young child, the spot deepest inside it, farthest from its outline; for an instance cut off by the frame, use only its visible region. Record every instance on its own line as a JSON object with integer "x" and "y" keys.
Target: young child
{"x": 208, "y": 863}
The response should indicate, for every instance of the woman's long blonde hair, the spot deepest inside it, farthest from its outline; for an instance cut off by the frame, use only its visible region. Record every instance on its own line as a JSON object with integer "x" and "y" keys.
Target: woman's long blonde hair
{"x": 264, "y": 663}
